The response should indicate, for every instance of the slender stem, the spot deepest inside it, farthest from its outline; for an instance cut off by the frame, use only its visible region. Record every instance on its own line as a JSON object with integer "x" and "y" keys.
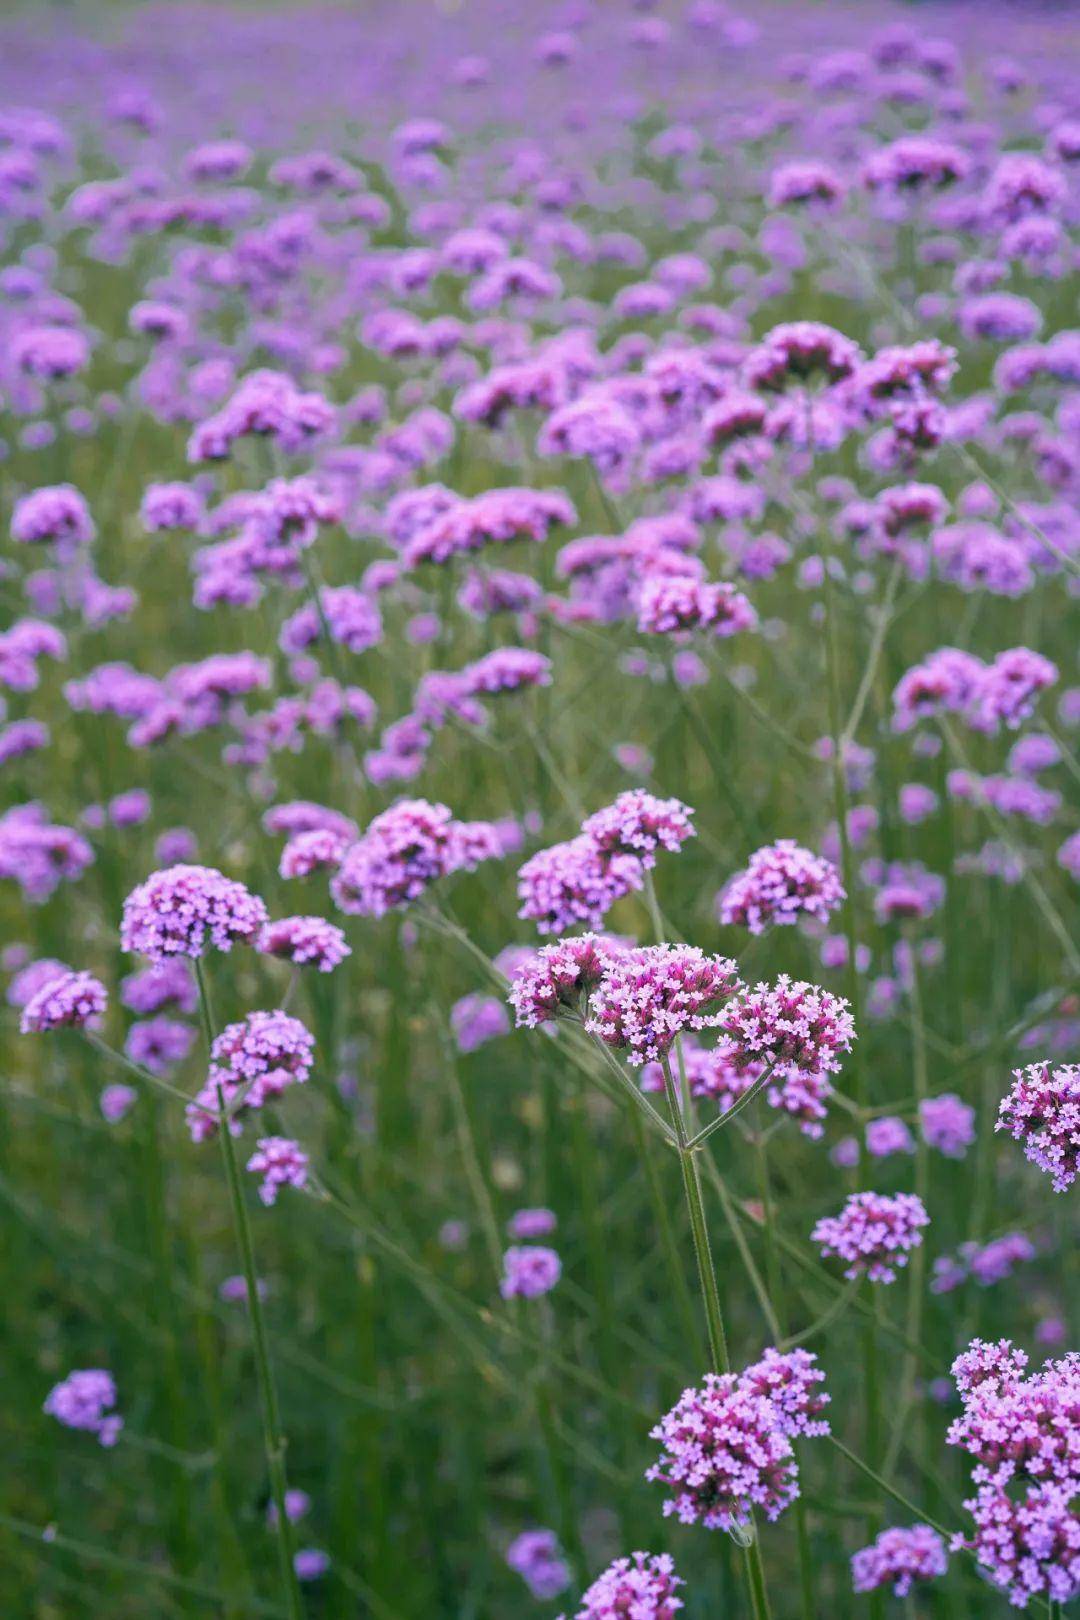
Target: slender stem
{"x": 890, "y": 1490}
{"x": 273, "y": 1439}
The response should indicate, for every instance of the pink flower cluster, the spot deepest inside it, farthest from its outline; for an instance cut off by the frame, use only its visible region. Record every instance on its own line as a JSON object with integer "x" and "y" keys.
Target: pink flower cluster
{"x": 306, "y": 942}
{"x": 529, "y": 1270}
{"x": 281, "y": 1163}
{"x": 579, "y": 881}
{"x": 669, "y": 603}
{"x": 641, "y": 1587}
{"x": 403, "y": 851}
{"x": 1042, "y": 1110}
{"x": 187, "y": 910}
{"x": 781, "y": 883}
{"x": 1023, "y": 1434}
{"x": 649, "y": 996}
{"x": 66, "y": 1001}
{"x": 559, "y": 976}
{"x": 727, "y": 1445}
{"x": 873, "y": 1233}
{"x": 82, "y": 1401}
{"x": 899, "y": 1557}
{"x": 252, "y": 1063}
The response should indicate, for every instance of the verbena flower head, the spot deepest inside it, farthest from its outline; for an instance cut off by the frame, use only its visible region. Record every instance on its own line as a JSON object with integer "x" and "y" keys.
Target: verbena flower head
{"x": 281, "y": 1163}
{"x": 669, "y": 603}
{"x": 83, "y": 1401}
{"x": 560, "y": 977}
{"x": 726, "y": 1453}
{"x": 70, "y": 1001}
{"x": 899, "y": 1558}
{"x": 792, "y": 1024}
{"x": 116, "y": 1101}
{"x": 873, "y": 1233}
{"x": 641, "y": 1587}
{"x": 796, "y": 351}
{"x": 639, "y": 824}
{"x": 529, "y": 1270}
{"x": 56, "y": 513}
{"x": 476, "y": 1019}
{"x": 790, "y": 1379}
{"x": 252, "y": 1063}
{"x": 188, "y": 910}
{"x": 947, "y": 1124}
{"x": 306, "y": 942}
{"x": 535, "y": 1556}
{"x": 574, "y": 883}
{"x": 782, "y": 883}
{"x": 403, "y": 852}
{"x": 649, "y": 996}
{"x": 1022, "y": 1432}
{"x": 1042, "y": 1110}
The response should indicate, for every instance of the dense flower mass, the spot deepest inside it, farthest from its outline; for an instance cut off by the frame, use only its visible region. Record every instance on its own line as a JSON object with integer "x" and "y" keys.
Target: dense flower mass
{"x": 187, "y": 910}
{"x": 68, "y": 1001}
{"x": 647, "y": 997}
{"x": 641, "y": 1587}
{"x": 1042, "y": 1110}
{"x": 83, "y": 1401}
{"x": 403, "y": 852}
{"x": 899, "y": 1558}
{"x": 613, "y": 464}
{"x": 725, "y": 1452}
{"x": 782, "y": 883}
{"x": 873, "y": 1233}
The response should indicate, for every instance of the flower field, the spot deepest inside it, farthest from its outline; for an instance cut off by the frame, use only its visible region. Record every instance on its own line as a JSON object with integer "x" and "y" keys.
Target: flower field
{"x": 539, "y": 837}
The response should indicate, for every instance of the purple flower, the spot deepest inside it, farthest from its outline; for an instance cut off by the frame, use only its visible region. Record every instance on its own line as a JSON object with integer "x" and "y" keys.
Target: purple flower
{"x": 782, "y": 882}
{"x": 531, "y": 1223}
{"x": 310, "y": 1563}
{"x": 726, "y": 1452}
{"x": 281, "y": 1163}
{"x": 873, "y": 1233}
{"x": 306, "y": 942}
{"x": 72, "y": 1001}
{"x": 947, "y": 1124}
{"x": 899, "y": 1557}
{"x": 529, "y": 1270}
{"x": 790, "y": 1380}
{"x": 649, "y": 996}
{"x": 639, "y": 824}
{"x": 535, "y": 1556}
{"x": 793, "y": 1025}
{"x": 641, "y": 1587}
{"x": 116, "y": 1101}
{"x": 888, "y": 1135}
{"x": 678, "y": 602}
{"x": 477, "y": 1019}
{"x": 159, "y": 1043}
{"x": 82, "y": 1401}
{"x": 297, "y": 1506}
{"x": 1042, "y": 1110}
{"x": 186, "y": 910}
{"x": 404, "y": 851}
{"x": 57, "y": 513}
{"x": 559, "y": 976}
{"x": 252, "y": 1063}
{"x": 574, "y": 883}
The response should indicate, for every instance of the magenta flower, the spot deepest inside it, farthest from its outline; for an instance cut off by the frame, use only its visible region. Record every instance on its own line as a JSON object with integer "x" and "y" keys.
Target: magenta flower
{"x": 795, "y": 1026}
{"x": 72, "y": 1001}
{"x": 639, "y": 824}
{"x": 83, "y": 1400}
{"x": 899, "y": 1558}
{"x": 1042, "y": 1110}
{"x": 187, "y": 910}
{"x": 725, "y": 1452}
{"x": 535, "y": 1556}
{"x": 782, "y": 882}
{"x": 404, "y": 851}
{"x": 641, "y": 1587}
{"x": 306, "y": 942}
{"x": 529, "y": 1270}
{"x": 574, "y": 883}
{"x": 559, "y": 977}
{"x": 873, "y": 1233}
{"x": 281, "y": 1163}
{"x": 649, "y": 996}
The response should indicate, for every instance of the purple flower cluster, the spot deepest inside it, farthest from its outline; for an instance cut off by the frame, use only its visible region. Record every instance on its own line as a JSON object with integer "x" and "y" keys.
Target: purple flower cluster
{"x": 252, "y": 1063}
{"x": 403, "y": 852}
{"x": 529, "y": 1270}
{"x": 873, "y": 1233}
{"x": 69, "y": 1001}
{"x": 781, "y": 883}
{"x": 641, "y": 1587}
{"x": 560, "y": 977}
{"x": 535, "y": 1556}
{"x": 281, "y": 1163}
{"x": 647, "y": 997}
{"x": 1042, "y": 1110}
{"x": 306, "y": 942}
{"x": 899, "y": 1558}
{"x": 727, "y": 1445}
{"x": 83, "y": 1401}
{"x": 1023, "y": 1436}
{"x": 187, "y": 910}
